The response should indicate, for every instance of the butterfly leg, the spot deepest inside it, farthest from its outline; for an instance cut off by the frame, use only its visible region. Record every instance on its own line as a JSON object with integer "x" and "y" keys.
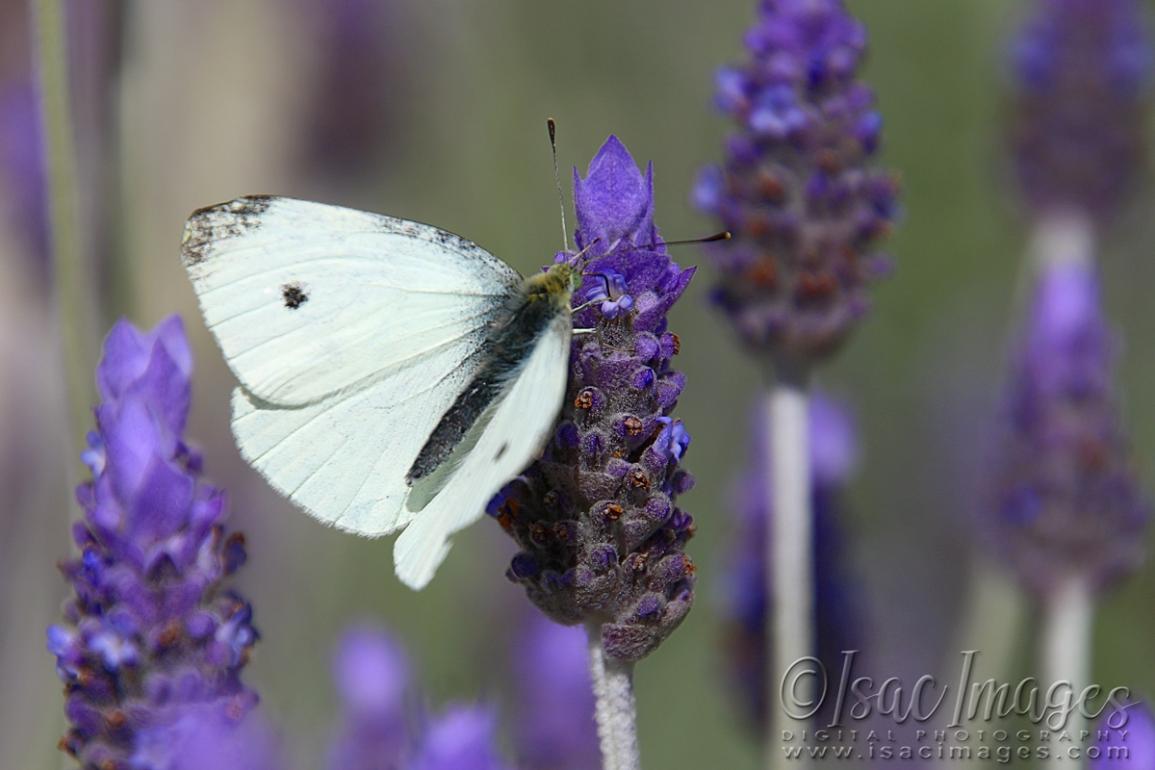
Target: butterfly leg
{"x": 577, "y": 332}
{"x": 588, "y": 304}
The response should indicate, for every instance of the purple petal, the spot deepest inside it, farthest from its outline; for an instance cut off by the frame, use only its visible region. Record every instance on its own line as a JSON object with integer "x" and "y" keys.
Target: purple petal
{"x": 615, "y": 201}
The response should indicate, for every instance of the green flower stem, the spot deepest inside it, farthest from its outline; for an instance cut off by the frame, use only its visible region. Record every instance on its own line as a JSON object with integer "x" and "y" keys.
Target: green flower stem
{"x": 74, "y": 291}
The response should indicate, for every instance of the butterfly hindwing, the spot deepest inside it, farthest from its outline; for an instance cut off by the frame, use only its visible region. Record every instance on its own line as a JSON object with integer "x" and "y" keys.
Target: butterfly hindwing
{"x": 343, "y": 459}
{"x": 508, "y": 440}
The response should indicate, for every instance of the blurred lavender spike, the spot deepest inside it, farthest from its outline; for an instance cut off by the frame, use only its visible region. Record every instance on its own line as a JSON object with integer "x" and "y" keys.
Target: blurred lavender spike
{"x": 462, "y": 738}
{"x": 153, "y": 629}
{"x": 1126, "y": 739}
{"x": 206, "y": 737}
{"x": 1082, "y": 71}
{"x": 361, "y": 82}
{"x": 1068, "y": 502}
{"x": 833, "y": 457}
{"x": 796, "y": 187}
{"x": 381, "y": 724}
{"x": 373, "y": 681}
{"x": 596, "y": 518}
{"x": 555, "y": 702}
{"x": 22, "y": 167}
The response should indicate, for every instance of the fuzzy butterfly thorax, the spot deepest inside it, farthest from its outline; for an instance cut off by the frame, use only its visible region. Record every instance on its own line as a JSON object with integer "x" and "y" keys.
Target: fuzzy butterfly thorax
{"x": 555, "y": 285}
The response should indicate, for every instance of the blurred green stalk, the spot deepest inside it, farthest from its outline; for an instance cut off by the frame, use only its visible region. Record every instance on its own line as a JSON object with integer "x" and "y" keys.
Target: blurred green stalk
{"x": 73, "y": 291}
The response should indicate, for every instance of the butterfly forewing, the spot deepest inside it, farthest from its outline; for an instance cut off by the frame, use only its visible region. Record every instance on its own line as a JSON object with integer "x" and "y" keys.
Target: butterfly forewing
{"x": 308, "y": 300}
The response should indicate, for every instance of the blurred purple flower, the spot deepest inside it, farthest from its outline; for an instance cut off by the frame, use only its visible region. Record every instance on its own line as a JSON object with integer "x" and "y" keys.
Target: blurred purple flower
{"x": 382, "y": 727}
{"x": 555, "y": 723}
{"x": 1068, "y": 500}
{"x": 205, "y": 737}
{"x": 833, "y": 457}
{"x": 152, "y": 629}
{"x": 596, "y": 518}
{"x": 360, "y": 84}
{"x": 372, "y": 677}
{"x": 460, "y": 739}
{"x": 1082, "y": 69}
{"x": 796, "y": 189}
{"x": 22, "y": 164}
{"x": 1127, "y": 739}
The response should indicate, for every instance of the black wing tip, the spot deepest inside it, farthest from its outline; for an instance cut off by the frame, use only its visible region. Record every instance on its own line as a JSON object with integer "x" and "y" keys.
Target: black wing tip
{"x": 218, "y": 222}
{"x": 246, "y": 204}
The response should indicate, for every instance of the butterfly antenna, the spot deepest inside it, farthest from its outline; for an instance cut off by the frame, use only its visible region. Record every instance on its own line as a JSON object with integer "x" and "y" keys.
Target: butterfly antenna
{"x": 722, "y": 236}
{"x": 551, "y": 124}
{"x": 576, "y": 258}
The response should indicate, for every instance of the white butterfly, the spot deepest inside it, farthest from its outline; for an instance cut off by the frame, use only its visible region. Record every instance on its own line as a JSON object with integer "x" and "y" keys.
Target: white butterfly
{"x": 392, "y": 375}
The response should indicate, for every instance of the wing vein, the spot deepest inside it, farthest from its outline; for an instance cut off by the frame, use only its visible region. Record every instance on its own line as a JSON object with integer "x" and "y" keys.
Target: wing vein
{"x": 368, "y": 334}
{"x": 345, "y": 397}
{"x": 319, "y": 468}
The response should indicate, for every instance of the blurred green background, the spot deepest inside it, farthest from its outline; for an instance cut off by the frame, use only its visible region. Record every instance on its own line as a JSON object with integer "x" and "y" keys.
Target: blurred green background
{"x": 209, "y": 100}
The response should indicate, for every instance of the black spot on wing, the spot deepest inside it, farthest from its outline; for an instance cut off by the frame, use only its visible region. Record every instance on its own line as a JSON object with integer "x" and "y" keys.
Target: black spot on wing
{"x": 501, "y": 451}
{"x": 213, "y": 224}
{"x": 294, "y": 295}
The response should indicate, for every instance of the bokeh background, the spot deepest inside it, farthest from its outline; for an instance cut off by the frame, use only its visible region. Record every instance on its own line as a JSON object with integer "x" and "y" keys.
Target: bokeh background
{"x": 434, "y": 110}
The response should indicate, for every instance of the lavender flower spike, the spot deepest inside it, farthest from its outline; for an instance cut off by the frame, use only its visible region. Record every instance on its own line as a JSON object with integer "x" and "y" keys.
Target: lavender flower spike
{"x": 602, "y": 538}
{"x": 1126, "y": 739}
{"x": 373, "y": 680}
{"x": 555, "y": 715}
{"x": 796, "y": 190}
{"x": 1083, "y": 68}
{"x": 209, "y": 737}
{"x": 152, "y": 630}
{"x": 21, "y": 166}
{"x": 460, "y": 739}
{"x": 1068, "y": 505}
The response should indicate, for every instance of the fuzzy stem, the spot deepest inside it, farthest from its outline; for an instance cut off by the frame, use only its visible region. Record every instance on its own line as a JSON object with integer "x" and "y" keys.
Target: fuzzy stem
{"x": 991, "y": 624}
{"x": 1062, "y": 238}
{"x": 1068, "y": 616}
{"x": 74, "y": 292}
{"x": 1068, "y": 612}
{"x": 616, "y": 710}
{"x": 789, "y": 553}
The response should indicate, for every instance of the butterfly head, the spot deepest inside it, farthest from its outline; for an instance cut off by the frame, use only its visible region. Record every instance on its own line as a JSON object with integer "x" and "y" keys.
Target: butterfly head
{"x": 556, "y": 285}
{"x": 568, "y": 273}
{"x": 572, "y": 264}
